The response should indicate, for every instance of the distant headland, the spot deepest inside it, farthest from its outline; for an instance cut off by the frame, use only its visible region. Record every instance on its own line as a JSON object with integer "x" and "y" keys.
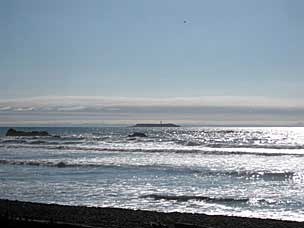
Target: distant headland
{"x": 155, "y": 125}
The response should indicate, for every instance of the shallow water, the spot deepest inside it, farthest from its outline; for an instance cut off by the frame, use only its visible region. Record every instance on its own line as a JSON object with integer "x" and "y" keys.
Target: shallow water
{"x": 256, "y": 172}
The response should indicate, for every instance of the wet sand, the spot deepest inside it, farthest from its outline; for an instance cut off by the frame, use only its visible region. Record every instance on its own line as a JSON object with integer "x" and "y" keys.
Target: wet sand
{"x": 20, "y": 214}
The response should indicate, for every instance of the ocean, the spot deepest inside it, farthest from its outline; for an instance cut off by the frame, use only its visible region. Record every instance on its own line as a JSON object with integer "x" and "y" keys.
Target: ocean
{"x": 241, "y": 171}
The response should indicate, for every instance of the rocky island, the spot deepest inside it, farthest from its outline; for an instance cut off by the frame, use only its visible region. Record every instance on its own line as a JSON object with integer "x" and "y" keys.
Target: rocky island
{"x": 155, "y": 125}
{"x": 14, "y": 132}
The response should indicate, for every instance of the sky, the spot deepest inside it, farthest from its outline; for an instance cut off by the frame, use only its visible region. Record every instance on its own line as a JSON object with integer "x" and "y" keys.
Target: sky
{"x": 205, "y": 62}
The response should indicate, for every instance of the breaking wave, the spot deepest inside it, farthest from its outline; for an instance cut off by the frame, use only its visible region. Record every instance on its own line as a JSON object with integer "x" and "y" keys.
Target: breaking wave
{"x": 183, "y": 198}
{"x": 59, "y": 164}
{"x": 265, "y": 175}
{"x": 128, "y": 148}
{"x": 247, "y": 145}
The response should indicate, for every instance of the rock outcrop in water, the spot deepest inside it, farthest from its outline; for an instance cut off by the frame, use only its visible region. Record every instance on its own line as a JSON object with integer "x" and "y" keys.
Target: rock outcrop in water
{"x": 138, "y": 134}
{"x": 14, "y": 132}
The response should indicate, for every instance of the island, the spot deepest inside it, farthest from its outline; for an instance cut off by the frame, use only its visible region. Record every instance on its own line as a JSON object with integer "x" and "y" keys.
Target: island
{"x": 155, "y": 125}
{"x": 14, "y": 132}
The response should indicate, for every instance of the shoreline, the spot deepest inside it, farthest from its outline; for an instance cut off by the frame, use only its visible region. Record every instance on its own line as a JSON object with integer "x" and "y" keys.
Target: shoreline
{"x": 19, "y": 213}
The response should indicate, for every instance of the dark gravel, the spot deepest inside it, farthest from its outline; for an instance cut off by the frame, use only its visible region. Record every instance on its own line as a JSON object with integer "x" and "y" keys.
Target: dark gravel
{"x": 24, "y": 213}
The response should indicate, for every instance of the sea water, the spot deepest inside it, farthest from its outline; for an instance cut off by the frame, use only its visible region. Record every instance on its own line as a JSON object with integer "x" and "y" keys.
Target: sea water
{"x": 252, "y": 172}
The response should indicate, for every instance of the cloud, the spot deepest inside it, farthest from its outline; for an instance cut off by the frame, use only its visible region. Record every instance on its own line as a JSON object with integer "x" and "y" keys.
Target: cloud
{"x": 206, "y": 110}
{"x": 71, "y": 108}
{"x": 24, "y": 109}
{"x": 99, "y": 102}
{"x": 5, "y": 108}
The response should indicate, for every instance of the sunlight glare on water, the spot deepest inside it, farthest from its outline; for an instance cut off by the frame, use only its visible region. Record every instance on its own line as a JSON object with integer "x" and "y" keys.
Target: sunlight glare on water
{"x": 255, "y": 172}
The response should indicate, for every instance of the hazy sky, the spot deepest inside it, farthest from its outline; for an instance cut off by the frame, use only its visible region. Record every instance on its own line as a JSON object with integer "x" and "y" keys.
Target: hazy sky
{"x": 159, "y": 48}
